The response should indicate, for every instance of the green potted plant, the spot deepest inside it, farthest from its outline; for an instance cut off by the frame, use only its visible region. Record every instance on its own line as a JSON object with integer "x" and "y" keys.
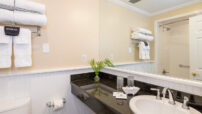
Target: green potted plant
{"x": 97, "y": 66}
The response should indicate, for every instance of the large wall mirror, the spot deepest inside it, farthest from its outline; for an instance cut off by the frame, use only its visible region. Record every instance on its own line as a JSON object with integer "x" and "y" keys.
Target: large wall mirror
{"x": 176, "y": 26}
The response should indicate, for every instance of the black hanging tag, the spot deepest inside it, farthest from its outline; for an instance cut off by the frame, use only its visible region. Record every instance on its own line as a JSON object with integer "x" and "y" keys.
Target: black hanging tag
{"x": 146, "y": 44}
{"x": 12, "y": 31}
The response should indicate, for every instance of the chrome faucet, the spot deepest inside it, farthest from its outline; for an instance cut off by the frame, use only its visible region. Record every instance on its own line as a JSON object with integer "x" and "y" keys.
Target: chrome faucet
{"x": 164, "y": 92}
{"x": 185, "y": 103}
{"x": 171, "y": 96}
{"x": 158, "y": 97}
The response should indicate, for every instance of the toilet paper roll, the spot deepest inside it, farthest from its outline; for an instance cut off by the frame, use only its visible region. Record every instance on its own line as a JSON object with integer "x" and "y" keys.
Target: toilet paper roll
{"x": 58, "y": 104}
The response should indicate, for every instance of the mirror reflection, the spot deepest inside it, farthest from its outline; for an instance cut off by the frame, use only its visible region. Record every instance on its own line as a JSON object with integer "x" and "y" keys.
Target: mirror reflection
{"x": 153, "y": 36}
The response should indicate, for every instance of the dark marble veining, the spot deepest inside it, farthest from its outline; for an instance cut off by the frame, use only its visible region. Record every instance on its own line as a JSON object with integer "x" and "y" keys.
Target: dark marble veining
{"x": 83, "y": 85}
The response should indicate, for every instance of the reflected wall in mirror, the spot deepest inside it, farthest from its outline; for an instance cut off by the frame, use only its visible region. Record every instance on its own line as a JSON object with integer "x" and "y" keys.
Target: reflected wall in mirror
{"x": 175, "y": 25}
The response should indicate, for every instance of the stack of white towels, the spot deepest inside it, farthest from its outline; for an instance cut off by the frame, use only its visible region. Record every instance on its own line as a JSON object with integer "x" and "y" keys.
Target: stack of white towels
{"x": 142, "y": 34}
{"x": 25, "y": 13}
{"x": 22, "y": 49}
{"x": 22, "y": 12}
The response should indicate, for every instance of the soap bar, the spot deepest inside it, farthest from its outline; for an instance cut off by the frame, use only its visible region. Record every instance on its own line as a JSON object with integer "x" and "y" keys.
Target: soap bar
{"x": 120, "y": 95}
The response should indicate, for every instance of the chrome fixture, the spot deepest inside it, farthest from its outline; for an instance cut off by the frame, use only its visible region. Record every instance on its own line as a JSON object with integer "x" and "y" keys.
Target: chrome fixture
{"x": 164, "y": 92}
{"x": 158, "y": 97}
{"x": 185, "y": 103}
{"x": 171, "y": 96}
{"x": 52, "y": 105}
{"x": 164, "y": 72}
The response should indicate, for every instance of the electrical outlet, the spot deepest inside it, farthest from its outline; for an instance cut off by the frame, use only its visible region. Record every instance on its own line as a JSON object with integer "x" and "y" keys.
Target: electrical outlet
{"x": 111, "y": 57}
{"x": 46, "y": 48}
{"x": 129, "y": 50}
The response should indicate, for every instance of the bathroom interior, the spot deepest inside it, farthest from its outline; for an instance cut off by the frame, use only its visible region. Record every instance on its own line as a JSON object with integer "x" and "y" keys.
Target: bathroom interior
{"x": 100, "y": 57}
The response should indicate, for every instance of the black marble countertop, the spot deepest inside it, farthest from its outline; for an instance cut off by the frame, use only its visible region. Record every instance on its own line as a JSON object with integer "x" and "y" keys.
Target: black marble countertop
{"x": 83, "y": 86}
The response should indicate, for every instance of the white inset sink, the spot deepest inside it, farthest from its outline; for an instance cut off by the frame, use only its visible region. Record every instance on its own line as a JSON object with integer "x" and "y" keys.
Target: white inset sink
{"x": 150, "y": 105}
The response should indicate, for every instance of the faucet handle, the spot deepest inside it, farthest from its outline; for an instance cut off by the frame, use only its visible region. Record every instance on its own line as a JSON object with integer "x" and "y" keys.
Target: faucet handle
{"x": 185, "y": 103}
{"x": 158, "y": 97}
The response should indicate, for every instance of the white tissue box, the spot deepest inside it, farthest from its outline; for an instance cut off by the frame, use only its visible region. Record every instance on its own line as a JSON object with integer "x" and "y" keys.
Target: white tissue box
{"x": 131, "y": 90}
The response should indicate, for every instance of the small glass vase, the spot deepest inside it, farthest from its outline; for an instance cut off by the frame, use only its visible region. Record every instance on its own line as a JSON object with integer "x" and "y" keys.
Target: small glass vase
{"x": 97, "y": 79}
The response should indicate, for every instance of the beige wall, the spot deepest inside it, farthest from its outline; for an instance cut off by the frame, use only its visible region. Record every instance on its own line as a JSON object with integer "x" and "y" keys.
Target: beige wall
{"x": 116, "y": 24}
{"x": 72, "y": 30}
{"x": 92, "y": 27}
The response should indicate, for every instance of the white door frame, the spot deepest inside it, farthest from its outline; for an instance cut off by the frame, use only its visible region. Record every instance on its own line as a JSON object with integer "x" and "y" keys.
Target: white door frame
{"x": 156, "y": 29}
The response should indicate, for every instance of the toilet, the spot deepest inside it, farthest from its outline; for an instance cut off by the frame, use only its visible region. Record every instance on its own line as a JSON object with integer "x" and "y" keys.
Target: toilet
{"x": 18, "y": 106}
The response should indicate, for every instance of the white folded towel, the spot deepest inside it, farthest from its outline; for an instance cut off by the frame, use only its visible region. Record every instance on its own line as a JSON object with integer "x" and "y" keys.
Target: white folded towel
{"x": 5, "y": 61}
{"x": 27, "y": 18}
{"x": 23, "y": 49}
{"x": 6, "y": 16}
{"x": 23, "y": 37}
{"x": 23, "y": 61}
{"x": 5, "y": 49}
{"x": 7, "y": 2}
{"x": 31, "y": 6}
{"x": 142, "y": 52}
{"x": 147, "y": 51}
{"x": 3, "y": 37}
{"x": 143, "y": 31}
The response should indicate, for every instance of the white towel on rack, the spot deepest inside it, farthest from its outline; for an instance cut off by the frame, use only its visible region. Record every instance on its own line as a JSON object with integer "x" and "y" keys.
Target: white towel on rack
{"x": 142, "y": 30}
{"x": 5, "y": 39}
{"x": 27, "y": 18}
{"x": 6, "y": 16}
{"x": 31, "y": 6}
{"x": 150, "y": 38}
{"x": 22, "y": 49}
{"x": 142, "y": 52}
{"x": 5, "y": 61}
{"x": 138, "y": 36}
{"x": 23, "y": 61}
{"x": 23, "y": 37}
{"x": 147, "y": 51}
{"x": 5, "y": 49}
{"x": 9, "y": 3}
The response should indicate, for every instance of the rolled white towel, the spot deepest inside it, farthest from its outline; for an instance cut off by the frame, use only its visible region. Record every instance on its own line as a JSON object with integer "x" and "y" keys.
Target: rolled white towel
{"x": 6, "y": 16}
{"x": 138, "y": 36}
{"x": 27, "y": 18}
{"x": 7, "y": 2}
{"x": 150, "y": 38}
{"x": 143, "y": 31}
{"x": 31, "y": 6}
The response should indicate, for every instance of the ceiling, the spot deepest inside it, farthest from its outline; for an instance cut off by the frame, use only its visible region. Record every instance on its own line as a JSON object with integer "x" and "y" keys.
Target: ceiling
{"x": 154, "y": 7}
